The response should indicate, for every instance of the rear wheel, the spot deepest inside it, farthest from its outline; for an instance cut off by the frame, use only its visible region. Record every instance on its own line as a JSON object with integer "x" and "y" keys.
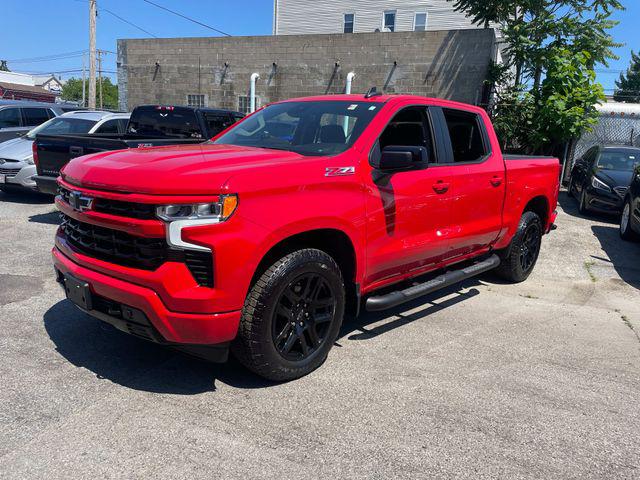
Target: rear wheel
{"x": 570, "y": 188}
{"x": 626, "y": 232}
{"x": 518, "y": 260}
{"x": 291, "y": 316}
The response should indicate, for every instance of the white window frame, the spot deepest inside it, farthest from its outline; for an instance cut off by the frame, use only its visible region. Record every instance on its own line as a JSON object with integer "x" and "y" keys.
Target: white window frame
{"x": 344, "y": 21}
{"x": 247, "y": 111}
{"x": 426, "y": 20}
{"x": 395, "y": 19}
{"x": 205, "y": 100}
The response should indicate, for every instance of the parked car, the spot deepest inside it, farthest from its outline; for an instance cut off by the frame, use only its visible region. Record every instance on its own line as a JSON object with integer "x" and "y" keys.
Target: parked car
{"x": 630, "y": 218}
{"x": 18, "y": 117}
{"x": 17, "y": 169}
{"x": 265, "y": 238}
{"x": 600, "y": 178}
{"x": 149, "y": 125}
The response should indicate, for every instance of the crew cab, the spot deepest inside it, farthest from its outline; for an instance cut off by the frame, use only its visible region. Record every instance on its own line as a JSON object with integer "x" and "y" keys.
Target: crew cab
{"x": 262, "y": 239}
{"x": 149, "y": 125}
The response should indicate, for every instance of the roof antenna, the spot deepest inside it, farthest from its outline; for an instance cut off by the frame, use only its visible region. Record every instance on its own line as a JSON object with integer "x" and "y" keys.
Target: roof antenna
{"x": 373, "y": 92}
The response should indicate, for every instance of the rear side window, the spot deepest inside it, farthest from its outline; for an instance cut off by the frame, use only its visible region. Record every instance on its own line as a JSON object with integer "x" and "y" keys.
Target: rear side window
{"x": 110, "y": 126}
{"x": 466, "y": 135}
{"x": 9, "y": 117}
{"x": 122, "y": 125}
{"x": 35, "y": 116}
{"x": 217, "y": 122}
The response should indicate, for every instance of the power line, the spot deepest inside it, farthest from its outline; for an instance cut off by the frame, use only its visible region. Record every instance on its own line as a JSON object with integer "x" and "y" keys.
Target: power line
{"x": 187, "y": 18}
{"x": 45, "y": 58}
{"x": 128, "y": 22}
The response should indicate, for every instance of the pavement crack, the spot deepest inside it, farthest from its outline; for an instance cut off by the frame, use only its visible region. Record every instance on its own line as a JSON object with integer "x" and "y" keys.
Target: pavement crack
{"x": 628, "y": 323}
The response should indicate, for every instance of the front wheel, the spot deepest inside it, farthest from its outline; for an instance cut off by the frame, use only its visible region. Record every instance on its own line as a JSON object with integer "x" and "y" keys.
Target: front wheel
{"x": 626, "y": 232}
{"x": 292, "y": 316}
{"x": 583, "y": 208}
{"x": 518, "y": 260}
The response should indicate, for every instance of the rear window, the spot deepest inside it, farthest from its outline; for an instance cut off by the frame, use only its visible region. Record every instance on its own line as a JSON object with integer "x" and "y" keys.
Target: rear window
{"x": 172, "y": 122}
{"x": 62, "y": 126}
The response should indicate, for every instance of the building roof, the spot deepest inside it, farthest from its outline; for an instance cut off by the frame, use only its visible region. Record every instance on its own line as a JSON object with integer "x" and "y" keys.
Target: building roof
{"x": 24, "y": 88}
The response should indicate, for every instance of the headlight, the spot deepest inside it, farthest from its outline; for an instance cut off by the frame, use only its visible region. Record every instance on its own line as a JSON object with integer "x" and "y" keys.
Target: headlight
{"x": 217, "y": 211}
{"x": 600, "y": 185}
{"x": 29, "y": 160}
{"x": 182, "y": 216}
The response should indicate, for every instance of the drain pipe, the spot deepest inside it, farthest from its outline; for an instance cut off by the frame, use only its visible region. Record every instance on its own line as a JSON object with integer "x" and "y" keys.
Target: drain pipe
{"x": 252, "y": 94}
{"x": 347, "y": 90}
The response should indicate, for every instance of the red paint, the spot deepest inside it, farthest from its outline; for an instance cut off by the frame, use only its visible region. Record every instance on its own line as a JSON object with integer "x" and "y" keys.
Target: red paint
{"x": 419, "y": 221}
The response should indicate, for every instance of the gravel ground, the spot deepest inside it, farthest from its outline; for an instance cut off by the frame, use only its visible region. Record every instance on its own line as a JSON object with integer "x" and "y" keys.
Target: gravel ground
{"x": 537, "y": 380}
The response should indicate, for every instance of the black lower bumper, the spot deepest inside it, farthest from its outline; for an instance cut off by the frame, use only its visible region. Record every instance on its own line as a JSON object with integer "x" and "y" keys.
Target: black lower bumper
{"x": 134, "y": 322}
{"x": 47, "y": 184}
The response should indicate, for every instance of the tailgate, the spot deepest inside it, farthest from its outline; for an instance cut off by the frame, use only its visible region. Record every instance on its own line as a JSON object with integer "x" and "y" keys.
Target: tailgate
{"x": 55, "y": 151}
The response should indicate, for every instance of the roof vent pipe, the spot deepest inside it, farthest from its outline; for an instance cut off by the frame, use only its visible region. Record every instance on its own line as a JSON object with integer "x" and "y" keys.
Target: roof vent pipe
{"x": 347, "y": 90}
{"x": 252, "y": 94}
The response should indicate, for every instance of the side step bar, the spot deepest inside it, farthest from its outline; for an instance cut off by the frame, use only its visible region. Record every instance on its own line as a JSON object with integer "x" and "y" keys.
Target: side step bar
{"x": 389, "y": 300}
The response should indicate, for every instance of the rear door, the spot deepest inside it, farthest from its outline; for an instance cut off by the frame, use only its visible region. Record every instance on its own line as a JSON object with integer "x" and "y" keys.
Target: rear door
{"x": 407, "y": 211}
{"x": 477, "y": 178}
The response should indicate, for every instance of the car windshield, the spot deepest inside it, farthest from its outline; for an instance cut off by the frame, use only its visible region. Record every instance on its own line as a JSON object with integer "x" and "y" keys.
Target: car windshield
{"x": 61, "y": 126}
{"x": 624, "y": 160}
{"x": 307, "y": 127}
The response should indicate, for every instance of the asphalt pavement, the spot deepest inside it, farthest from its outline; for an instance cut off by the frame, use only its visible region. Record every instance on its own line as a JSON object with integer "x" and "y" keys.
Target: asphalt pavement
{"x": 485, "y": 380}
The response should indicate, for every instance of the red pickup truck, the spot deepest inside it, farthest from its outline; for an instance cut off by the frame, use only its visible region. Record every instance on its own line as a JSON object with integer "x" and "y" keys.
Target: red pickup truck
{"x": 262, "y": 239}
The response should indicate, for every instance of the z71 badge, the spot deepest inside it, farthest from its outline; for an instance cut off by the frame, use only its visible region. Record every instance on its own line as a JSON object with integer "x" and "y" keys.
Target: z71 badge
{"x": 339, "y": 171}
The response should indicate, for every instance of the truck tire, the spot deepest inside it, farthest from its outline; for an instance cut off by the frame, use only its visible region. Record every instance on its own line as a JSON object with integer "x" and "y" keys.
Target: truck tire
{"x": 519, "y": 258}
{"x": 291, "y": 316}
{"x": 626, "y": 232}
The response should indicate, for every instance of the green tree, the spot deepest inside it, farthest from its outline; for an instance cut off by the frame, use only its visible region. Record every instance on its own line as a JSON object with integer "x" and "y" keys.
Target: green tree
{"x": 3, "y": 66}
{"x": 72, "y": 91}
{"x": 628, "y": 86}
{"x": 551, "y": 48}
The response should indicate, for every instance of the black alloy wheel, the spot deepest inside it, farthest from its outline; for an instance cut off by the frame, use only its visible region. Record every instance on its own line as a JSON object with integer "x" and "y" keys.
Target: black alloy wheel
{"x": 530, "y": 247}
{"x": 303, "y": 316}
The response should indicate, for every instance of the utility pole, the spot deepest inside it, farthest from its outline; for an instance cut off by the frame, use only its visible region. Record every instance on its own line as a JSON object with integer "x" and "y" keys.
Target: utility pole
{"x": 92, "y": 54}
{"x": 84, "y": 81}
{"x": 100, "y": 52}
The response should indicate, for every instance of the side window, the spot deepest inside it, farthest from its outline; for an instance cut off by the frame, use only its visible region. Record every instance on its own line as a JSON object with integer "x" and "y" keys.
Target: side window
{"x": 465, "y": 134}
{"x": 51, "y": 113}
{"x": 122, "y": 125}
{"x": 35, "y": 116}
{"x": 409, "y": 127}
{"x": 216, "y": 122}
{"x": 9, "y": 118}
{"x": 110, "y": 126}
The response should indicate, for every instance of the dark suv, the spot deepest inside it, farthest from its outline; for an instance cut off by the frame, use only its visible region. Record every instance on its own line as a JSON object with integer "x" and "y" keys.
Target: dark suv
{"x": 600, "y": 178}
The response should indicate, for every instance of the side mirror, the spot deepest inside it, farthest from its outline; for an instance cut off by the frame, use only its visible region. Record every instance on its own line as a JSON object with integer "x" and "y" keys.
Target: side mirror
{"x": 400, "y": 157}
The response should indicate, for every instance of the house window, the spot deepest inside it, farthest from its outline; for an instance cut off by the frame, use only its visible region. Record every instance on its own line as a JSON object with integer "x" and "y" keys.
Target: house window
{"x": 389, "y": 21}
{"x": 197, "y": 101}
{"x": 420, "y": 22}
{"x": 244, "y": 103}
{"x": 349, "y": 19}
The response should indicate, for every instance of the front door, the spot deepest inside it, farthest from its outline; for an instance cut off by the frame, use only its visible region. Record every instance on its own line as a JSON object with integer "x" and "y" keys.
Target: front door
{"x": 407, "y": 211}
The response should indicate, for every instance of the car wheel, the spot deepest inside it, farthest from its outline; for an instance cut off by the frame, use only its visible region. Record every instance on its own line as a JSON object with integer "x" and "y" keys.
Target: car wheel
{"x": 518, "y": 260}
{"x": 582, "y": 204}
{"x": 291, "y": 316}
{"x": 626, "y": 232}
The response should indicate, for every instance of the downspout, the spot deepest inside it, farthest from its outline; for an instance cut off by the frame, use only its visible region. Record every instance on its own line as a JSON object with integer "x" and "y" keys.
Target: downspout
{"x": 252, "y": 94}
{"x": 347, "y": 90}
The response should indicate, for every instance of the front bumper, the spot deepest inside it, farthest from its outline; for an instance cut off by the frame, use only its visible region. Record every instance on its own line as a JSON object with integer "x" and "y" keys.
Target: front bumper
{"x": 603, "y": 202}
{"x": 162, "y": 325}
{"x": 22, "y": 176}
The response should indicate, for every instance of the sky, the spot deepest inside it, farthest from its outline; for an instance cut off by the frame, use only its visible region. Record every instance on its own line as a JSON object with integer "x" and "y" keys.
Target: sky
{"x": 33, "y": 29}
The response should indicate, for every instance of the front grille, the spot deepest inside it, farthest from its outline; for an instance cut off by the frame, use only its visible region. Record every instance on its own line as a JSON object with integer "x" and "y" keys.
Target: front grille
{"x": 128, "y": 250}
{"x": 142, "y": 211}
{"x": 621, "y": 191}
{"x": 9, "y": 172}
{"x": 115, "y": 246}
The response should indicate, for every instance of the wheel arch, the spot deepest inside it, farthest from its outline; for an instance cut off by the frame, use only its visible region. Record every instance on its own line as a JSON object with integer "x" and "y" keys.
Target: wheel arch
{"x": 540, "y": 206}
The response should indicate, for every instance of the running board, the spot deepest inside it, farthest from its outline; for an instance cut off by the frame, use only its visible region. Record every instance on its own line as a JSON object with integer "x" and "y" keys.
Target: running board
{"x": 382, "y": 302}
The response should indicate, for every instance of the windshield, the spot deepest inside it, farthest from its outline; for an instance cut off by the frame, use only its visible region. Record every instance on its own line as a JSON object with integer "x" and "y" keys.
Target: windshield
{"x": 173, "y": 122}
{"x": 624, "y": 160}
{"x": 61, "y": 126}
{"x": 308, "y": 128}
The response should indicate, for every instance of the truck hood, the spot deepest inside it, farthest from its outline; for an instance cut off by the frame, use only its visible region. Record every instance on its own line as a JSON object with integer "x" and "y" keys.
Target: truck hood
{"x": 172, "y": 170}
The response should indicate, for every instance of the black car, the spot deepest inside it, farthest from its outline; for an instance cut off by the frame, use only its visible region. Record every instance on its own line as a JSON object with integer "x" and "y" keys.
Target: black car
{"x": 630, "y": 218}
{"x": 601, "y": 177}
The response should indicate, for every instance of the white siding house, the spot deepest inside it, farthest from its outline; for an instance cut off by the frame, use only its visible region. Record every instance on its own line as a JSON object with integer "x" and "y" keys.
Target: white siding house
{"x": 297, "y": 17}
